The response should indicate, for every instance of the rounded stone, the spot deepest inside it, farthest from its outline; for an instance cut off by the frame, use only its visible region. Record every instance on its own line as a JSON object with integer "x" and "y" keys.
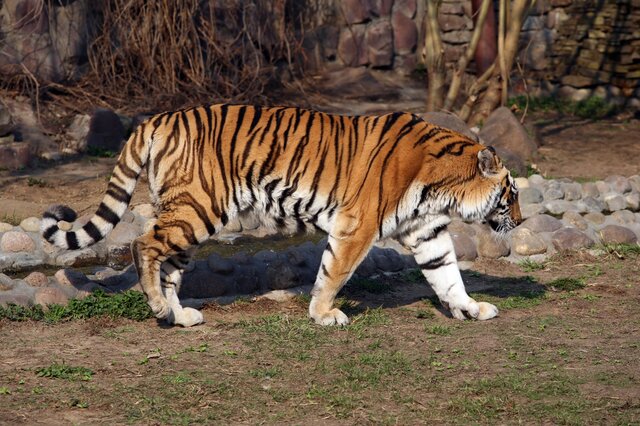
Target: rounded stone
{"x": 633, "y": 201}
{"x": 530, "y": 196}
{"x": 30, "y": 224}
{"x": 464, "y": 246}
{"x": 492, "y": 246}
{"x": 461, "y": 228}
{"x": 589, "y": 189}
{"x": 572, "y": 191}
{"x": 281, "y": 276}
{"x": 525, "y": 242}
{"x": 574, "y": 218}
{"x": 64, "y": 225}
{"x": 536, "y": 180}
{"x": 590, "y": 204}
{"x": 37, "y": 279}
{"x": 46, "y": 296}
{"x": 219, "y": 264}
{"x": 529, "y": 210}
{"x": 542, "y": 223}
{"x": 387, "y": 260}
{"x": 619, "y": 184}
{"x": 4, "y": 227}
{"x": 13, "y": 241}
{"x": 201, "y": 283}
{"x": 553, "y": 193}
{"x": 70, "y": 277}
{"x": 596, "y": 218}
{"x": 603, "y": 187}
{"x": 123, "y": 234}
{"x": 614, "y": 201}
{"x": 83, "y": 257}
{"x": 617, "y": 234}
{"x": 570, "y": 239}
{"x": 623, "y": 217}
{"x": 557, "y": 207}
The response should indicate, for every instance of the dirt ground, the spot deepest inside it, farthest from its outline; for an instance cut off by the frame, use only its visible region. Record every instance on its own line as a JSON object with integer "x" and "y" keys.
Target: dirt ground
{"x": 552, "y": 357}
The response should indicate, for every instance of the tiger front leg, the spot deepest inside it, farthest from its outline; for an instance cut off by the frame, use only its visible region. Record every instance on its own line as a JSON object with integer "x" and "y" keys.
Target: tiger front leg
{"x": 339, "y": 259}
{"x": 171, "y": 275}
{"x": 433, "y": 251}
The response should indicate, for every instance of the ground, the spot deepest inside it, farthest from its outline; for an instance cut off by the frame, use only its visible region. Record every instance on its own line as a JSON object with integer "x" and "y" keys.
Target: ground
{"x": 554, "y": 356}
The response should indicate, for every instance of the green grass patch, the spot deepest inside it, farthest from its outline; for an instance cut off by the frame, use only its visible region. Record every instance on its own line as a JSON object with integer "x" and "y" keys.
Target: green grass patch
{"x": 41, "y": 183}
{"x": 528, "y": 265}
{"x": 438, "y": 330}
{"x": 523, "y": 300}
{"x": 129, "y": 304}
{"x": 622, "y": 250}
{"x": 100, "y": 152}
{"x": 592, "y": 107}
{"x": 65, "y": 372}
{"x": 567, "y": 284}
{"x": 11, "y": 219}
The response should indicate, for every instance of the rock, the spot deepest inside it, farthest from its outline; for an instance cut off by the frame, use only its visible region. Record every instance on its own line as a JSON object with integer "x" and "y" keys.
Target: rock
{"x": 619, "y": 184}
{"x": 570, "y": 239}
{"x": 406, "y": 7}
{"x": 589, "y": 189}
{"x": 13, "y": 241}
{"x": 77, "y": 258}
{"x": 64, "y": 225}
{"x": 572, "y": 191}
{"x": 596, "y": 218}
{"x": 448, "y": 22}
{"x": 6, "y": 283}
{"x": 201, "y": 283}
{"x": 4, "y": 227}
{"x": 119, "y": 282}
{"x": 449, "y": 121}
{"x": 456, "y": 37}
{"x": 614, "y": 201}
{"x": 6, "y": 124}
{"x": 123, "y": 234}
{"x": 542, "y": 223}
{"x": 37, "y": 279}
{"x": 106, "y": 131}
{"x": 530, "y": 196}
{"x": 351, "y": 46}
{"x": 451, "y": 8}
{"x": 387, "y": 260}
{"x": 573, "y": 218}
{"x": 536, "y": 180}
{"x": 492, "y": 246}
{"x": 603, "y": 187}
{"x": 461, "y": 227}
{"x": 623, "y": 217}
{"x": 50, "y": 296}
{"x": 381, "y": 8}
{"x": 553, "y": 193}
{"x": 590, "y": 204}
{"x": 281, "y": 276}
{"x": 558, "y": 207}
{"x": 533, "y": 23}
{"x": 77, "y": 133}
{"x": 71, "y": 278}
{"x": 356, "y": 11}
{"x": 617, "y": 234}
{"x": 298, "y": 256}
{"x": 529, "y": 210}
{"x": 219, "y": 264}
{"x": 633, "y": 201}
{"x": 89, "y": 288}
{"x": 14, "y": 156}
{"x": 367, "y": 267}
{"x": 464, "y": 246}
{"x": 405, "y": 34}
{"x": 525, "y": 243}
{"x": 503, "y": 131}
{"x": 379, "y": 42}
{"x": 118, "y": 255}
{"x": 522, "y": 182}
{"x": 31, "y": 224}
{"x": 634, "y": 181}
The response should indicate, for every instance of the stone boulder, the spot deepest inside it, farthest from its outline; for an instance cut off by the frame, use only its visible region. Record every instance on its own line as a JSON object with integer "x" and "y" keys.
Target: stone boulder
{"x": 379, "y": 42}
{"x": 351, "y": 46}
{"x": 106, "y": 131}
{"x": 617, "y": 234}
{"x": 570, "y": 239}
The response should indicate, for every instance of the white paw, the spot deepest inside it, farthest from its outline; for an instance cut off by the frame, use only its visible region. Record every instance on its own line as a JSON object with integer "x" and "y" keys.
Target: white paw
{"x": 190, "y": 317}
{"x": 475, "y": 310}
{"x": 333, "y": 317}
{"x": 487, "y": 311}
{"x": 160, "y": 307}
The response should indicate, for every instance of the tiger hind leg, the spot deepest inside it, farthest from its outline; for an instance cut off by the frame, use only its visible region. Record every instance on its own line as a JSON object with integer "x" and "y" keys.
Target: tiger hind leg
{"x": 171, "y": 273}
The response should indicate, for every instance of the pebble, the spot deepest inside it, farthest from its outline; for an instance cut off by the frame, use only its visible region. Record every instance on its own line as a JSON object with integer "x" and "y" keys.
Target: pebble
{"x": 64, "y": 225}
{"x": 30, "y": 224}
{"x": 15, "y": 241}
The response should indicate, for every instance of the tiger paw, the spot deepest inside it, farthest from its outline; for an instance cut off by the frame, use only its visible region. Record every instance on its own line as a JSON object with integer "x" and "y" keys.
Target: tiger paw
{"x": 333, "y": 317}
{"x": 186, "y": 317}
{"x": 475, "y": 310}
{"x": 487, "y": 311}
{"x": 160, "y": 308}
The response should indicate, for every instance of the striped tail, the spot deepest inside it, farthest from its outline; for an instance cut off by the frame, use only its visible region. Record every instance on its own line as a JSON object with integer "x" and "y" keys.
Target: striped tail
{"x": 114, "y": 204}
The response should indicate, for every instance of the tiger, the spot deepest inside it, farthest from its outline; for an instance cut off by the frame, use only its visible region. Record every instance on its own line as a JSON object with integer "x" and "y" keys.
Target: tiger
{"x": 360, "y": 179}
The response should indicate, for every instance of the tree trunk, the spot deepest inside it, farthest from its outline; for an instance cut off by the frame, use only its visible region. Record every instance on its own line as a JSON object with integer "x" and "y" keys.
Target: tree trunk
{"x": 487, "y": 49}
{"x": 432, "y": 53}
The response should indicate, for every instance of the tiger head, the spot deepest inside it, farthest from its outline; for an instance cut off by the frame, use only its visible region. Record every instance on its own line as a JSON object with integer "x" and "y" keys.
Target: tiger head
{"x": 503, "y": 211}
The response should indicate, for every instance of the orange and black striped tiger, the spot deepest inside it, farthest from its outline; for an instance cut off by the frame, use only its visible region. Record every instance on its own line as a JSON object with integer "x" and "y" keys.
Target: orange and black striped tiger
{"x": 360, "y": 179}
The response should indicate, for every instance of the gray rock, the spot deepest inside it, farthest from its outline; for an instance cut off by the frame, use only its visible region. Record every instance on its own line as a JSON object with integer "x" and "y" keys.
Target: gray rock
{"x": 558, "y": 207}
{"x": 522, "y": 182}
{"x": 83, "y": 257}
{"x": 71, "y": 278}
{"x": 379, "y": 41}
{"x": 201, "y": 283}
{"x": 589, "y": 189}
{"x": 530, "y": 196}
{"x": 46, "y": 296}
{"x": 596, "y": 218}
{"x": 247, "y": 281}
{"x": 615, "y": 201}
{"x": 387, "y": 260}
{"x": 220, "y": 264}
{"x": 464, "y": 246}
{"x": 492, "y": 246}
{"x": 123, "y": 234}
{"x": 77, "y": 133}
{"x": 351, "y": 47}
{"x": 570, "y": 239}
{"x": 529, "y": 210}
{"x": 461, "y": 227}
{"x": 280, "y": 276}
{"x": 525, "y": 242}
{"x": 633, "y": 201}
{"x": 106, "y": 131}
{"x": 19, "y": 297}
{"x": 13, "y": 241}
{"x": 367, "y": 267}
{"x": 574, "y": 219}
{"x": 37, "y": 279}
{"x": 619, "y": 184}
{"x": 603, "y": 187}
{"x": 6, "y": 283}
{"x": 542, "y": 223}
{"x": 590, "y": 204}
{"x": 266, "y": 256}
{"x": 405, "y": 34}
{"x": 572, "y": 191}
{"x": 536, "y": 180}
{"x": 449, "y": 121}
{"x": 634, "y": 181}
{"x": 623, "y": 217}
{"x": 503, "y": 131}
{"x": 553, "y": 193}
{"x": 617, "y": 234}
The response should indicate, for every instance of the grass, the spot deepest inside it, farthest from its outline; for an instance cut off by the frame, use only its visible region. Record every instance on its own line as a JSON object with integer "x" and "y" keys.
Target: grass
{"x": 11, "y": 219}
{"x": 31, "y": 181}
{"x": 65, "y": 372}
{"x": 129, "y": 304}
{"x": 528, "y": 265}
{"x": 622, "y": 250}
{"x": 567, "y": 284}
{"x": 592, "y": 108}
{"x": 100, "y": 152}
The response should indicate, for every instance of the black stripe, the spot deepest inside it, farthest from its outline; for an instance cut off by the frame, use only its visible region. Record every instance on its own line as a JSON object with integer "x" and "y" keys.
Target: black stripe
{"x": 118, "y": 193}
{"x": 93, "y": 231}
{"x": 48, "y": 233}
{"x": 330, "y": 249}
{"x": 324, "y": 270}
{"x": 435, "y": 263}
{"x": 72, "y": 241}
{"x": 107, "y": 214}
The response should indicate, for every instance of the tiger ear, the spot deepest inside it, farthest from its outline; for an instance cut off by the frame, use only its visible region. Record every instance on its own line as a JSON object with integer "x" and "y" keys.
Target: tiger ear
{"x": 488, "y": 161}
